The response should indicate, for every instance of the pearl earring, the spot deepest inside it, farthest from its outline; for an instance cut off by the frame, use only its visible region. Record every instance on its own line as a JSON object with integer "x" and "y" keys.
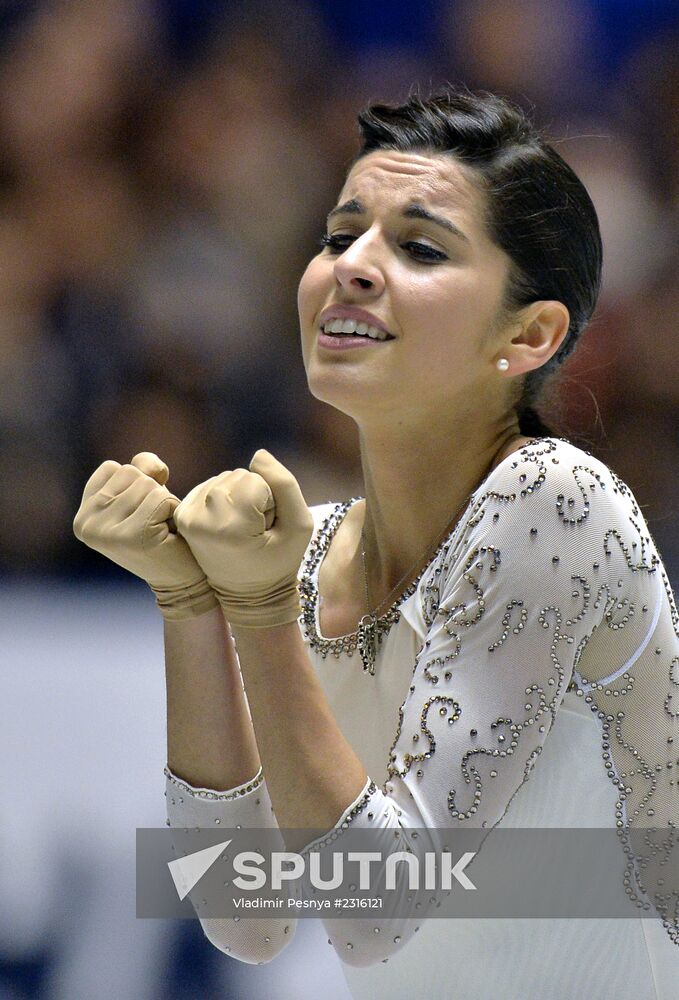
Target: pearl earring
{"x": 502, "y": 364}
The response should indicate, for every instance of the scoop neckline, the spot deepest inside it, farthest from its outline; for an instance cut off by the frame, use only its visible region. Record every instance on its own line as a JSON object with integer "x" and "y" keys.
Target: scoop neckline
{"x": 322, "y": 540}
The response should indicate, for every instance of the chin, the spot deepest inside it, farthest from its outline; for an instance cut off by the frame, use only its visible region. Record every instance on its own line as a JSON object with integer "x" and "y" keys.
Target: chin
{"x": 339, "y": 389}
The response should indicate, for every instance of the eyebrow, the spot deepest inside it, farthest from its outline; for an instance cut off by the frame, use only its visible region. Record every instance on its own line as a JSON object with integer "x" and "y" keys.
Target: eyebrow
{"x": 411, "y": 211}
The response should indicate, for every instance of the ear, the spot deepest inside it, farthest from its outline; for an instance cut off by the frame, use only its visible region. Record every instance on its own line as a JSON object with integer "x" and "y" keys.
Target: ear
{"x": 543, "y": 327}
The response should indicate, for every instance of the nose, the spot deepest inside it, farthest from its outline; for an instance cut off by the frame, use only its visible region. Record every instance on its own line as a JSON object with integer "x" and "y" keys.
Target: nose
{"x": 356, "y": 267}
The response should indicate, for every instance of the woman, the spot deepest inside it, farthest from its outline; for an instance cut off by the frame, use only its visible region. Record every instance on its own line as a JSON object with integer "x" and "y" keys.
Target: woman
{"x": 496, "y": 596}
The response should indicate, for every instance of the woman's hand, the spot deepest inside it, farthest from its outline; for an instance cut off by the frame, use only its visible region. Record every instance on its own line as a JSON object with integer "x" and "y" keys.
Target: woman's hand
{"x": 126, "y": 514}
{"x": 249, "y": 531}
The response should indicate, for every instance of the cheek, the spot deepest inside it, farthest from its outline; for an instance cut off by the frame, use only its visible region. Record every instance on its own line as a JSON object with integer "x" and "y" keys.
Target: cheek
{"x": 310, "y": 301}
{"x": 463, "y": 304}
{"x": 448, "y": 322}
{"x": 309, "y": 293}
{"x": 441, "y": 301}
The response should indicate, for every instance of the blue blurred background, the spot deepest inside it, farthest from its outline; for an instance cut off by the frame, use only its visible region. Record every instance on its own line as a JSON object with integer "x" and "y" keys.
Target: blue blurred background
{"x": 165, "y": 170}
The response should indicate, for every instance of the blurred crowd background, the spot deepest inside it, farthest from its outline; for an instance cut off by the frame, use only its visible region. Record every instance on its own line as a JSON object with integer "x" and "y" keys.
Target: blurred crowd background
{"x": 165, "y": 171}
{"x": 166, "y": 167}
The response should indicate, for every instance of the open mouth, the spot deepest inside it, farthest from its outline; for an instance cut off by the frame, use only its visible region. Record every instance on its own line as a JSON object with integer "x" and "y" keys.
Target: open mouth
{"x": 345, "y": 341}
{"x": 351, "y": 330}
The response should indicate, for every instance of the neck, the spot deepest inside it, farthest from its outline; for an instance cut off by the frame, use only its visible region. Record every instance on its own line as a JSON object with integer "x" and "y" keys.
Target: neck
{"x": 415, "y": 482}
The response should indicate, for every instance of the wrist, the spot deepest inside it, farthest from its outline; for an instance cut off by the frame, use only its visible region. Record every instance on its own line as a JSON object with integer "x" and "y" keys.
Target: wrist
{"x": 185, "y": 601}
{"x": 280, "y": 605}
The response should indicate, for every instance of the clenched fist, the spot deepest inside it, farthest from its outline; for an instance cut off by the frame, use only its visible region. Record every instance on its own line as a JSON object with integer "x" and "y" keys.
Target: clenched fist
{"x": 249, "y": 531}
{"x": 126, "y": 514}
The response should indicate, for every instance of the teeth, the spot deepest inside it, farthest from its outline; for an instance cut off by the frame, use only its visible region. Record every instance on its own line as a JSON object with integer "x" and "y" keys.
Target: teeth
{"x": 353, "y": 326}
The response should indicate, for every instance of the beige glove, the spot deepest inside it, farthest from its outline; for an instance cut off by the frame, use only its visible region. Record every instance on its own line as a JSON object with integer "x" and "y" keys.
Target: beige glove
{"x": 126, "y": 514}
{"x": 249, "y": 531}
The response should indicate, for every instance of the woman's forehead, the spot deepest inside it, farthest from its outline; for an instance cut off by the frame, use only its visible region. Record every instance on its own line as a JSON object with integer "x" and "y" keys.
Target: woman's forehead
{"x": 439, "y": 179}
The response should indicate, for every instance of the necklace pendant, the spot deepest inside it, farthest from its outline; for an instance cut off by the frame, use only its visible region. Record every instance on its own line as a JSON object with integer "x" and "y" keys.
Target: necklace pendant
{"x": 367, "y": 642}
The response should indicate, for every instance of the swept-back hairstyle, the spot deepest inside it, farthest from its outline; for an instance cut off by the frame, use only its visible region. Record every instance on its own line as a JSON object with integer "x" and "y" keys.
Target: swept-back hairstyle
{"x": 537, "y": 210}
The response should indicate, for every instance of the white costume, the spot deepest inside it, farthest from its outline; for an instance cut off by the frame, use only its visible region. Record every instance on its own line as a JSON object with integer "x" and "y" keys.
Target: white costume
{"x": 530, "y": 679}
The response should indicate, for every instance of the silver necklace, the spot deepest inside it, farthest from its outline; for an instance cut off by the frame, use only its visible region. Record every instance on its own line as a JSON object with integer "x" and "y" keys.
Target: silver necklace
{"x": 372, "y": 627}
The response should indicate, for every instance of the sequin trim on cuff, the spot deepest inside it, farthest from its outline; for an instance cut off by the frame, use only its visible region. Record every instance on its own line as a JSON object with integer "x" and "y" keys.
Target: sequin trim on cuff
{"x": 208, "y": 793}
{"x": 345, "y": 819}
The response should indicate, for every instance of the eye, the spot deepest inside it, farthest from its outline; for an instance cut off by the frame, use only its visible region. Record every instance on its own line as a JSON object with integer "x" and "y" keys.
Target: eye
{"x": 420, "y": 251}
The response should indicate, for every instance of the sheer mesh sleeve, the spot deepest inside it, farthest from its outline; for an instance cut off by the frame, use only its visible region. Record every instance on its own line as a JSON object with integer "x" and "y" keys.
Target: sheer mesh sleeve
{"x": 252, "y": 939}
{"x": 554, "y": 579}
{"x": 629, "y": 675}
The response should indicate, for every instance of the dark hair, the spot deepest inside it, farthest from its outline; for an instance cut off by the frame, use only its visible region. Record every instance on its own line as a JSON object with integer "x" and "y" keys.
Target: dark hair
{"x": 538, "y": 210}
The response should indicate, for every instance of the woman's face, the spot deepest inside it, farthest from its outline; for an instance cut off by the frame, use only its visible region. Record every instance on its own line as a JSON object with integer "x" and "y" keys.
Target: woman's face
{"x": 437, "y": 288}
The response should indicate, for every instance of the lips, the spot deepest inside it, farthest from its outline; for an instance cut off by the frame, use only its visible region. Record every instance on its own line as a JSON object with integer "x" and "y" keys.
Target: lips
{"x": 345, "y": 341}
{"x": 352, "y": 312}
